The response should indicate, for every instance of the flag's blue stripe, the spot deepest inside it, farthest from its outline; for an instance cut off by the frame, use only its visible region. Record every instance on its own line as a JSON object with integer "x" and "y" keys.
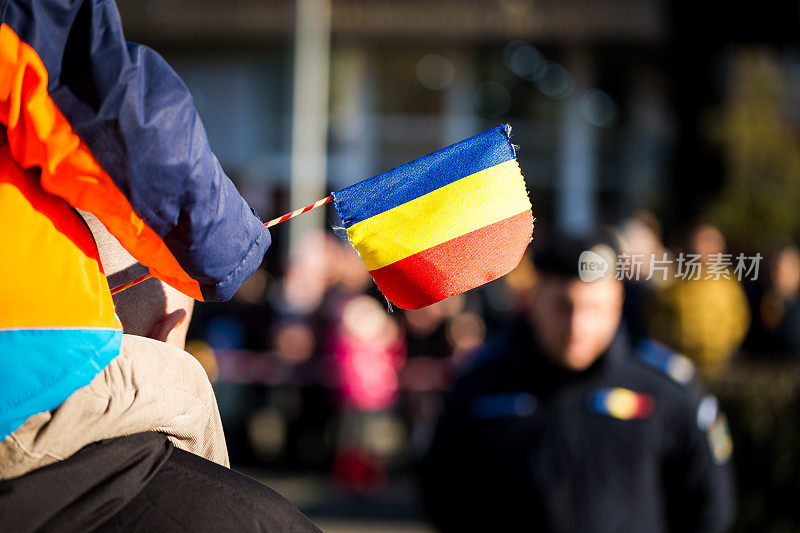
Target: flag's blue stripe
{"x": 419, "y": 177}
{"x": 43, "y": 367}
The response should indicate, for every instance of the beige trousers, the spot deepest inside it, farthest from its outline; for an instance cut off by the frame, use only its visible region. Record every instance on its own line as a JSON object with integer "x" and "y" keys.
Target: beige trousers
{"x": 149, "y": 386}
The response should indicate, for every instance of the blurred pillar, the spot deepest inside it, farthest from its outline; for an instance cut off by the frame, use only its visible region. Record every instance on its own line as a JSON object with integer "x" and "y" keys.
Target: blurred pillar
{"x": 354, "y": 126}
{"x": 460, "y": 120}
{"x": 647, "y": 139}
{"x": 309, "y": 115}
{"x": 576, "y": 190}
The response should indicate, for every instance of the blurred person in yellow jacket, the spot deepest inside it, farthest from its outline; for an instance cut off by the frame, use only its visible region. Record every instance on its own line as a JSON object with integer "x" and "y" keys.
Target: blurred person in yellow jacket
{"x": 703, "y": 312}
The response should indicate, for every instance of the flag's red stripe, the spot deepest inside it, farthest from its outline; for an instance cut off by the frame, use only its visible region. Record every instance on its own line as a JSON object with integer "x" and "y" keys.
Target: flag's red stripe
{"x": 456, "y": 265}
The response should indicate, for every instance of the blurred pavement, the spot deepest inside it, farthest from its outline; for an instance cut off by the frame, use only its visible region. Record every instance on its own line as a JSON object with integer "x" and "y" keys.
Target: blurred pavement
{"x": 394, "y": 510}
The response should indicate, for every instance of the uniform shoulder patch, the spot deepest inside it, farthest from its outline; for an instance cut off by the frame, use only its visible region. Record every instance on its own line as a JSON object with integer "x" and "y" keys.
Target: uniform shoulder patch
{"x": 713, "y": 422}
{"x": 620, "y": 403}
{"x": 707, "y": 412}
{"x": 719, "y": 440}
{"x": 675, "y": 365}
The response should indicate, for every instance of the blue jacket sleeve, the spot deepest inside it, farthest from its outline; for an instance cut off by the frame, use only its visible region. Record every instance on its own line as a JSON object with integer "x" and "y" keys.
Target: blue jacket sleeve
{"x": 139, "y": 121}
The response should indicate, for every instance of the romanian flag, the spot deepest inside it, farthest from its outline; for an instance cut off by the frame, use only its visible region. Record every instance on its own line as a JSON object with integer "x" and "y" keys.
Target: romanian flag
{"x": 442, "y": 224}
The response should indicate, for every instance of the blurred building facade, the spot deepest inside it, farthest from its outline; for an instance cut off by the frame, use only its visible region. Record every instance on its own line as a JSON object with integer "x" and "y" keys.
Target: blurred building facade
{"x": 582, "y": 84}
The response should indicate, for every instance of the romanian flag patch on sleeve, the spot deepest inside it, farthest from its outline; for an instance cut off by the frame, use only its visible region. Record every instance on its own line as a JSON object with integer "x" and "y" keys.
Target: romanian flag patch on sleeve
{"x": 622, "y": 404}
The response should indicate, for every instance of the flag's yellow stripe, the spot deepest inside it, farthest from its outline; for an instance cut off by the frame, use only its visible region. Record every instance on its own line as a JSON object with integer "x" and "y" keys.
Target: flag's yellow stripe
{"x": 475, "y": 201}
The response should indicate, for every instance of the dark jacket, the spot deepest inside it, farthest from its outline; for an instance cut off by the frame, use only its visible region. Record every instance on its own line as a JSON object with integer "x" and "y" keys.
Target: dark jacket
{"x": 523, "y": 445}
{"x": 142, "y": 483}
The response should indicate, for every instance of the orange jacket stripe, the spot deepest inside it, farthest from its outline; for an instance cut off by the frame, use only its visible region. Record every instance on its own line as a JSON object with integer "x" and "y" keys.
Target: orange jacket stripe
{"x": 40, "y": 136}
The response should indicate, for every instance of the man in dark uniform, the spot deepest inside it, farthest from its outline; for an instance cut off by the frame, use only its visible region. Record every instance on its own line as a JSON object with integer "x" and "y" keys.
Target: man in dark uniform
{"x": 560, "y": 426}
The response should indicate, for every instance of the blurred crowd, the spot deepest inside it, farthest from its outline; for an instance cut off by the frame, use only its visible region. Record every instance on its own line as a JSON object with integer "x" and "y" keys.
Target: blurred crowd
{"x": 722, "y": 308}
{"x": 316, "y": 371}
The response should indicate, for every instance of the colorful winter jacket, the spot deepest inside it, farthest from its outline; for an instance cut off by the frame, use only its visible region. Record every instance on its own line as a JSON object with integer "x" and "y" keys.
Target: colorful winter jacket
{"x": 89, "y": 121}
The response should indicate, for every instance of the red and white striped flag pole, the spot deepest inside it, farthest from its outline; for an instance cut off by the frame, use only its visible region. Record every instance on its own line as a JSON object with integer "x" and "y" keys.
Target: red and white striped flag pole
{"x": 300, "y": 211}
{"x": 274, "y": 221}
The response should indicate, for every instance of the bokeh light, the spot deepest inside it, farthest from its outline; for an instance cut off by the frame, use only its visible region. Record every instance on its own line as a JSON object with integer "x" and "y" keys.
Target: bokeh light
{"x": 555, "y": 81}
{"x": 492, "y": 99}
{"x": 435, "y": 72}
{"x": 599, "y": 108}
{"x": 524, "y": 60}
